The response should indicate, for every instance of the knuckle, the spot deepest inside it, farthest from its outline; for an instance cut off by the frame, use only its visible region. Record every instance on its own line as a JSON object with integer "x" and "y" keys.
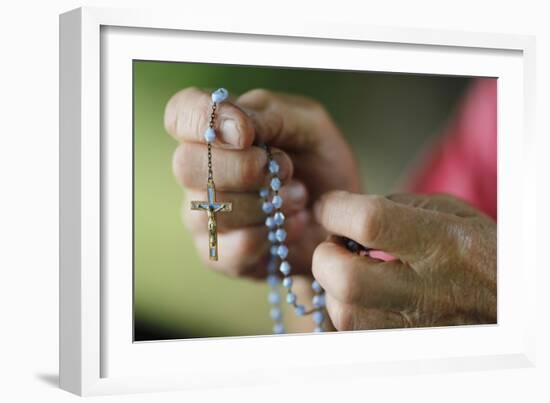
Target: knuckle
{"x": 181, "y": 165}
{"x": 350, "y": 286}
{"x": 249, "y": 168}
{"x": 343, "y": 318}
{"x": 320, "y": 255}
{"x": 317, "y": 108}
{"x": 170, "y": 115}
{"x": 258, "y": 97}
{"x": 171, "y": 110}
{"x": 180, "y": 117}
{"x": 370, "y": 219}
{"x": 468, "y": 239}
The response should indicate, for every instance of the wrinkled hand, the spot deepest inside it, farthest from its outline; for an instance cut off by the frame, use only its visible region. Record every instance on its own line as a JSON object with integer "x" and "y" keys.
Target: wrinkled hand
{"x": 445, "y": 267}
{"x": 313, "y": 159}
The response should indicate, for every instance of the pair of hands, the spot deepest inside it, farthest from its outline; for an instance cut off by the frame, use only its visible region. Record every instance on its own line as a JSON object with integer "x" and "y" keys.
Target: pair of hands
{"x": 445, "y": 267}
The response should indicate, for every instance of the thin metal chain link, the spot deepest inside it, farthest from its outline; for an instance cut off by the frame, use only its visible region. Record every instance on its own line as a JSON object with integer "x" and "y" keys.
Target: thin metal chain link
{"x": 211, "y": 124}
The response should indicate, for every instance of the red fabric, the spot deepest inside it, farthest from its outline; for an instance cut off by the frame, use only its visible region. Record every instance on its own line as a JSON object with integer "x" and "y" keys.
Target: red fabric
{"x": 464, "y": 161}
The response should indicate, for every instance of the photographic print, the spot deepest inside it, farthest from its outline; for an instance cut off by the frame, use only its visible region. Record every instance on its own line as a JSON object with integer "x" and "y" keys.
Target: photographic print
{"x": 270, "y": 200}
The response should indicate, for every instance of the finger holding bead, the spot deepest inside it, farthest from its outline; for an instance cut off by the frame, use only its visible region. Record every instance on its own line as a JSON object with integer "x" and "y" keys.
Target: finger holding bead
{"x": 361, "y": 280}
{"x": 188, "y": 114}
{"x": 234, "y": 170}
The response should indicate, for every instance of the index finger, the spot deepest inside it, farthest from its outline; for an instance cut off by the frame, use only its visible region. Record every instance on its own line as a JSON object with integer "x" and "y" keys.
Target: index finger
{"x": 187, "y": 116}
{"x": 360, "y": 280}
{"x": 403, "y": 231}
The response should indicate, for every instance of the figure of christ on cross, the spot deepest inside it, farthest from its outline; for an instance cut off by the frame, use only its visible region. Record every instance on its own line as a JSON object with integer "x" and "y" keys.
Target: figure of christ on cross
{"x": 212, "y": 207}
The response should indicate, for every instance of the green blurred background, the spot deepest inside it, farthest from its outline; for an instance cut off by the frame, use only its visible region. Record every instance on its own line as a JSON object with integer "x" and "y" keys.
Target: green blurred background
{"x": 387, "y": 118}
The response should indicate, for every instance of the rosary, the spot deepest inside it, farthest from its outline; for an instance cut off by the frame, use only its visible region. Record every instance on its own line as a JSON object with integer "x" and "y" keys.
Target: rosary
{"x": 271, "y": 206}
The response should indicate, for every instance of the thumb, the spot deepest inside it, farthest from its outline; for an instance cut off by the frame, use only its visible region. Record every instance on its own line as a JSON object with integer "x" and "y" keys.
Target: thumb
{"x": 408, "y": 233}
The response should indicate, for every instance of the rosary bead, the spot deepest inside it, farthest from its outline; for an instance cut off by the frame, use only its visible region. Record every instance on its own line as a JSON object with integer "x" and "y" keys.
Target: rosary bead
{"x": 270, "y": 222}
{"x": 316, "y": 286}
{"x": 273, "y": 166}
{"x": 282, "y": 251}
{"x": 264, "y": 193}
{"x": 272, "y": 280}
{"x": 280, "y": 235}
{"x": 278, "y": 328}
{"x": 274, "y": 250}
{"x": 274, "y": 298}
{"x": 220, "y": 95}
{"x": 287, "y": 282}
{"x": 318, "y": 317}
{"x": 285, "y": 268}
{"x": 272, "y": 236}
{"x": 210, "y": 135}
{"x": 267, "y": 207}
{"x": 318, "y": 301}
{"x": 279, "y": 218}
{"x": 300, "y": 310}
{"x": 290, "y": 298}
{"x": 276, "y": 314}
{"x": 277, "y": 201}
{"x": 275, "y": 183}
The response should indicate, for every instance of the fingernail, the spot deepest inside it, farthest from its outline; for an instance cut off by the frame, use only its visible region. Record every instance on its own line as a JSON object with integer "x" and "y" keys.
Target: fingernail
{"x": 230, "y": 132}
{"x": 296, "y": 192}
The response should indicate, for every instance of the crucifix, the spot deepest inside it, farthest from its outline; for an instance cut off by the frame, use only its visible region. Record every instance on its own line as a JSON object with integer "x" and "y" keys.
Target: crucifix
{"x": 212, "y": 207}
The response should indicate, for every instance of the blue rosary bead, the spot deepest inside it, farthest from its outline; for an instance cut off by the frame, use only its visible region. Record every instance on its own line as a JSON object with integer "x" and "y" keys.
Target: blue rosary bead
{"x": 275, "y": 184}
{"x": 291, "y": 298}
{"x": 287, "y": 281}
{"x": 316, "y": 286}
{"x": 280, "y": 235}
{"x": 282, "y": 251}
{"x": 273, "y": 166}
{"x": 220, "y": 95}
{"x": 279, "y": 218}
{"x": 278, "y": 328}
{"x": 318, "y": 317}
{"x": 272, "y": 280}
{"x": 285, "y": 268}
{"x": 277, "y": 235}
{"x": 210, "y": 135}
{"x": 277, "y": 201}
{"x": 276, "y": 314}
{"x": 274, "y": 298}
{"x": 270, "y": 222}
{"x": 267, "y": 207}
{"x": 318, "y": 301}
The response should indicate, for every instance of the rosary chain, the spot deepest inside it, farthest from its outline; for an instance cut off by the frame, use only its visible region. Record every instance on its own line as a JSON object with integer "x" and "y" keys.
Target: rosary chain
{"x": 211, "y": 125}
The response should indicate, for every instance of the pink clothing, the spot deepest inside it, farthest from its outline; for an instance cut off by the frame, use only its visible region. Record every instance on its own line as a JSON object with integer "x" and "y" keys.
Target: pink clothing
{"x": 463, "y": 162}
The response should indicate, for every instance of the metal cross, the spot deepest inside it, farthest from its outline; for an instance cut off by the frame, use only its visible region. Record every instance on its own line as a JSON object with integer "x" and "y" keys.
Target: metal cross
{"x": 212, "y": 207}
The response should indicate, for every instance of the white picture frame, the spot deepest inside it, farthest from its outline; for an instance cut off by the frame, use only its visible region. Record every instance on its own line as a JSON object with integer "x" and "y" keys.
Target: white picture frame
{"x": 97, "y": 355}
